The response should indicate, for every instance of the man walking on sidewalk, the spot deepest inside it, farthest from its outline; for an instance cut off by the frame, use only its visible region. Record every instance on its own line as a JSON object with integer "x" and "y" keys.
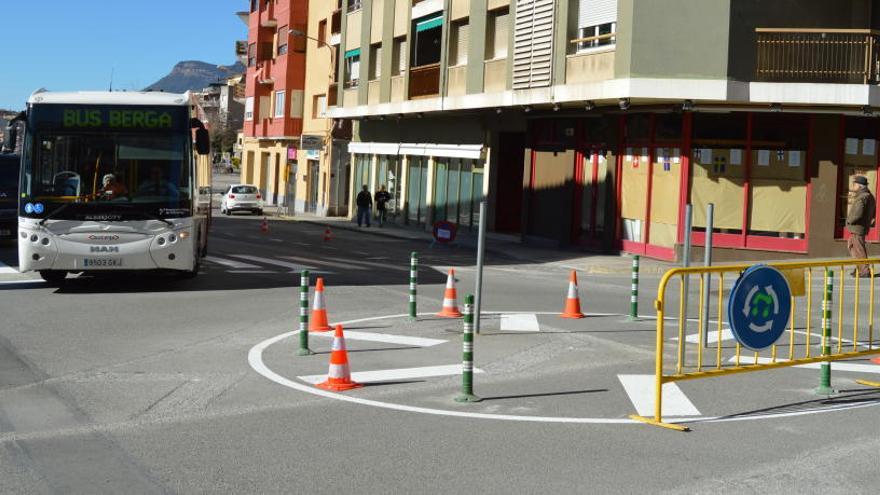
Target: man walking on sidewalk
{"x": 859, "y": 219}
{"x": 382, "y": 197}
{"x": 364, "y": 203}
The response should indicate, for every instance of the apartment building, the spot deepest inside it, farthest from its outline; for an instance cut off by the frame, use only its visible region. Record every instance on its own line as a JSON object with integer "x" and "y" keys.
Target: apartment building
{"x": 323, "y": 176}
{"x": 274, "y": 92}
{"x": 592, "y": 123}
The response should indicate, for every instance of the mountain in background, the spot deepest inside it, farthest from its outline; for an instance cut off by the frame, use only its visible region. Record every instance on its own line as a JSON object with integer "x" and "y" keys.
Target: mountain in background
{"x": 193, "y": 75}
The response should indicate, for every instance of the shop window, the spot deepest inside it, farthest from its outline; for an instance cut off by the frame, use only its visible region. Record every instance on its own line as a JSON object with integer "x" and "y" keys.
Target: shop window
{"x": 860, "y": 157}
{"x": 778, "y": 181}
{"x": 554, "y": 135}
{"x": 458, "y": 190}
{"x": 774, "y": 206}
{"x": 388, "y": 173}
{"x": 417, "y": 189}
{"x": 718, "y": 169}
{"x": 668, "y": 127}
{"x": 362, "y": 165}
{"x": 638, "y": 127}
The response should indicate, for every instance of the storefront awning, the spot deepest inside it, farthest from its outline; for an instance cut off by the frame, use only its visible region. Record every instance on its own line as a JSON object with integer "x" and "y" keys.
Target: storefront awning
{"x": 353, "y": 53}
{"x": 431, "y": 23}
{"x": 472, "y": 151}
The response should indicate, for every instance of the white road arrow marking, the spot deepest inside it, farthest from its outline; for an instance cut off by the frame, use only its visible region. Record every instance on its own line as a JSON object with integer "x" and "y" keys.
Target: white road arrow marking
{"x": 520, "y": 323}
{"x": 640, "y": 389}
{"x": 385, "y": 338}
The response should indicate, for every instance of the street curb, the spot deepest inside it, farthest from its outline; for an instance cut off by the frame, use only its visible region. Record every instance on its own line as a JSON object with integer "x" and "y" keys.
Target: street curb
{"x": 595, "y": 269}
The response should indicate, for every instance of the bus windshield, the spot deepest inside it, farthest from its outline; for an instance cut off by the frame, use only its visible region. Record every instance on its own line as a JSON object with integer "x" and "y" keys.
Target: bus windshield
{"x": 108, "y": 172}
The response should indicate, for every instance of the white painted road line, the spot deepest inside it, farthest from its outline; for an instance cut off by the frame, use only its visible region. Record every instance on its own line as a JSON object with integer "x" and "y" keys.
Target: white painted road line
{"x": 252, "y": 271}
{"x": 640, "y": 389}
{"x": 4, "y": 268}
{"x": 269, "y": 261}
{"x": 386, "y": 338}
{"x": 835, "y": 366}
{"x": 395, "y": 375}
{"x": 694, "y": 338}
{"x": 230, "y": 263}
{"x": 520, "y": 323}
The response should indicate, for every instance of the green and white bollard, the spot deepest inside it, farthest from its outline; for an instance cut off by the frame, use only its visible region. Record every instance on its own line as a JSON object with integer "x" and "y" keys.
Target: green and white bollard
{"x": 304, "y": 315}
{"x": 825, "y": 373}
{"x": 467, "y": 363}
{"x": 634, "y": 290}
{"x": 413, "y": 281}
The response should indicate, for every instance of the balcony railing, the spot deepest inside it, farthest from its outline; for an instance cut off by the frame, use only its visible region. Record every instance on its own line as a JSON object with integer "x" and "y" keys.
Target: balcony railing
{"x": 843, "y": 56}
{"x": 424, "y": 81}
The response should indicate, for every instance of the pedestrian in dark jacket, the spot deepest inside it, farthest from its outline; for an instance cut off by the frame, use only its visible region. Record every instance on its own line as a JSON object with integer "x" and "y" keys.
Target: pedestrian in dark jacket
{"x": 365, "y": 204}
{"x": 860, "y": 219}
{"x": 382, "y": 197}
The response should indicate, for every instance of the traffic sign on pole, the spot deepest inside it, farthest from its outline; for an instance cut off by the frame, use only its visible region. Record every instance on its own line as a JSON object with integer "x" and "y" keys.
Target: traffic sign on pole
{"x": 759, "y": 307}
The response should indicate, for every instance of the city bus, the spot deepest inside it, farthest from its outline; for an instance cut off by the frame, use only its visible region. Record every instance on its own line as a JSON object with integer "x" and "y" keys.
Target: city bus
{"x": 109, "y": 183}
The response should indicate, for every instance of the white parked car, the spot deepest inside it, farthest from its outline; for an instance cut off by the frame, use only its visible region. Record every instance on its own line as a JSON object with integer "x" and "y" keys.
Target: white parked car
{"x": 241, "y": 197}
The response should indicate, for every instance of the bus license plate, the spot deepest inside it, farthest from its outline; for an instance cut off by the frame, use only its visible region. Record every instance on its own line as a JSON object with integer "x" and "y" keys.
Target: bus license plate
{"x": 102, "y": 263}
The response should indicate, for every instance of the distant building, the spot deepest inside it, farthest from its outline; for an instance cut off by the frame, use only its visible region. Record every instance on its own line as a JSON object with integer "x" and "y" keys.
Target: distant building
{"x": 274, "y": 84}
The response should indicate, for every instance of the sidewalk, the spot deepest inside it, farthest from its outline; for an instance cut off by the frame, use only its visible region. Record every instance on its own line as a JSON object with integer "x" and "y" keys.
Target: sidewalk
{"x": 503, "y": 245}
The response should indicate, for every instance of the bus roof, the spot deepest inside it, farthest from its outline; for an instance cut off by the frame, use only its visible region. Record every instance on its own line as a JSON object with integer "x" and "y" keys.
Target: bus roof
{"x": 156, "y": 98}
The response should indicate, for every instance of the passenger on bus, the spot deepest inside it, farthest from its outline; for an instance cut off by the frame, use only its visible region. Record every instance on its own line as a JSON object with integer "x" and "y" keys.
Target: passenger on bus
{"x": 112, "y": 188}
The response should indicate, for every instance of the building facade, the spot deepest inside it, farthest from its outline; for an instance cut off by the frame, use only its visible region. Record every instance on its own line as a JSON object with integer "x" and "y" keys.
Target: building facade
{"x": 593, "y": 123}
{"x": 274, "y": 89}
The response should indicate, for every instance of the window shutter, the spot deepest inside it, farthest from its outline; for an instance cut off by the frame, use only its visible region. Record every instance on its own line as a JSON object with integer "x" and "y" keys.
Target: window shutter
{"x": 533, "y": 44}
{"x": 596, "y": 12}
{"x": 402, "y": 56}
{"x": 500, "y": 41}
{"x": 461, "y": 49}
{"x": 377, "y": 62}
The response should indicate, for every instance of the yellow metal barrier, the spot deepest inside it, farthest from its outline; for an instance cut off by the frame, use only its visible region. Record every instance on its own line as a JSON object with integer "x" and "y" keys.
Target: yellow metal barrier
{"x": 784, "y": 352}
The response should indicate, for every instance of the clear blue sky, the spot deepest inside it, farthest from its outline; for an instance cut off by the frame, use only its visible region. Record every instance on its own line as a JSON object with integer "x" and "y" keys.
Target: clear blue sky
{"x": 68, "y": 45}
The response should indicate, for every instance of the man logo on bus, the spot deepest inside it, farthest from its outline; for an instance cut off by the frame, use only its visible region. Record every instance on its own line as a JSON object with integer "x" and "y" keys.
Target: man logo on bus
{"x": 758, "y": 306}
{"x": 104, "y": 249}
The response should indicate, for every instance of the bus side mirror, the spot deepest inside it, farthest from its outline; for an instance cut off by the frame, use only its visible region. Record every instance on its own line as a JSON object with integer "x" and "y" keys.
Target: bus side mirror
{"x": 203, "y": 142}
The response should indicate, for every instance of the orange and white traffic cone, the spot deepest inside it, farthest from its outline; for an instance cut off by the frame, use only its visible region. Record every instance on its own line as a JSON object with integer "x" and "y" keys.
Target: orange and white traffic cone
{"x": 318, "y": 319}
{"x": 572, "y": 300}
{"x": 339, "y": 375}
{"x": 327, "y": 234}
{"x": 450, "y": 298}
{"x": 264, "y": 226}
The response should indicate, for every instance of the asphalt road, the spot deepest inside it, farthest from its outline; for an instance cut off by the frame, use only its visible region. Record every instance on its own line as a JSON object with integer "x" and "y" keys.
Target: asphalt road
{"x": 153, "y": 385}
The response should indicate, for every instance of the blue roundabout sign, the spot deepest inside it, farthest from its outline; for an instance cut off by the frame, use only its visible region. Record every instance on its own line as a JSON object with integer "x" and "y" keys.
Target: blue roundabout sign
{"x": 759, "y": 307}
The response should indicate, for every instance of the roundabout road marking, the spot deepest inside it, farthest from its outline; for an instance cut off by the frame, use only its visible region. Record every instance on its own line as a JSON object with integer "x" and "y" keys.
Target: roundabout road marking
{"x": 255, "y": 359}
